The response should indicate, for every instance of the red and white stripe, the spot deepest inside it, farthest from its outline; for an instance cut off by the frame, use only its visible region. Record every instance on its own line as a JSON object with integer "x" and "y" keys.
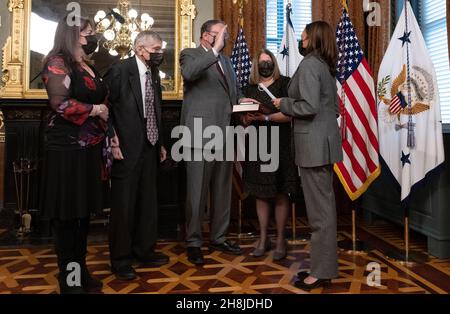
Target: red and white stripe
{"x": 396, "y": 105}
{"x": 360, "y": 164}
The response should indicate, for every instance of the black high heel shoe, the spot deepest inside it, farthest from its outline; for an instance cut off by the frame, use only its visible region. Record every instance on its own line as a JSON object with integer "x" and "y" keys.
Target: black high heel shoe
{"x": 302, "y": 275}
{"x": 258, "y": 252}
{"x": 280, "y": 255}
{"x": 301, "y": 284}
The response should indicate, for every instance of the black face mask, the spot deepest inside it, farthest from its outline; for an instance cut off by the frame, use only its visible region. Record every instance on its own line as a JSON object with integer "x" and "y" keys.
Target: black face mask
{"x": 91, "y": 46}
{"x": 214, "y": 42}
{"x": 301, "y": 49}
{"x": 156, "y": 59}
{"x": 266, "y": 69}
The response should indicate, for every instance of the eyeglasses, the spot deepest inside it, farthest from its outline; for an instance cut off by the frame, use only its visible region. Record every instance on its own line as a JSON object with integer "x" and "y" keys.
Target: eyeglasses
{"x": 156, "y": 51}
{"x": 214, "y": 34}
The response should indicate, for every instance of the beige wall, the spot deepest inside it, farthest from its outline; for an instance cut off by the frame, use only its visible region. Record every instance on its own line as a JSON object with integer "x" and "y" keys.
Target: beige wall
{"x": 205, "y": 11}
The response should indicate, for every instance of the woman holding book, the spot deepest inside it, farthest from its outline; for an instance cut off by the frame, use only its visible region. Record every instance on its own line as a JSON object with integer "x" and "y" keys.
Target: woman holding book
{"x": 314, "y": 107}
{"x": 270, "y": 188}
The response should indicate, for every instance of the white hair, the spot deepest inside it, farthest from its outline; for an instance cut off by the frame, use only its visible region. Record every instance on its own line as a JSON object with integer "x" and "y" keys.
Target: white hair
{"x": 145, "y": 36}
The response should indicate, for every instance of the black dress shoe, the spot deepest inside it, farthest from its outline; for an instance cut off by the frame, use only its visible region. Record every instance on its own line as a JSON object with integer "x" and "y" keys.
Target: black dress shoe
{"x": 88, "y": 282}
{"x": 195, "y": 255}
{"x": 226, "y": 247}
{"x": 64, "y": 288}
{"x": 125, "y": 273}
{"x": 155, "y": 259}
{"x": 301, "y": 284}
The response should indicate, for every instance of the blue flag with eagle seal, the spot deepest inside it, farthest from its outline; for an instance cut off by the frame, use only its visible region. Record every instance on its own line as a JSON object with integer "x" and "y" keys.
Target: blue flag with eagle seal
{"x": 409, "y": 115}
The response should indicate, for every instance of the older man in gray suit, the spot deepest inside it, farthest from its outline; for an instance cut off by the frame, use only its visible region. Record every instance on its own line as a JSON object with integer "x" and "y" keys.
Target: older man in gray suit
{"x": 210, "y": 91}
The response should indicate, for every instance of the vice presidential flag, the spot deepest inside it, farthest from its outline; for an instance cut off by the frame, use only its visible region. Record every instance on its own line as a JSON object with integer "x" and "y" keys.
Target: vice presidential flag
{"x": 356, "y": 91}
{"x": 288, "y": 57}
{"x": 410, "y": 128}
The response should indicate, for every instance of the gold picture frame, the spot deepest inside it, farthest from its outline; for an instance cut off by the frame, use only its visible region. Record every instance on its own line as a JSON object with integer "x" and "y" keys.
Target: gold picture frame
{"x": 16, "y": 52}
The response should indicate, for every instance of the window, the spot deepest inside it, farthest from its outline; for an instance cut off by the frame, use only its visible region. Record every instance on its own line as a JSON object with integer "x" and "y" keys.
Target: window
{"x": 434, "y": 28}
{"x": 276, "y": 15}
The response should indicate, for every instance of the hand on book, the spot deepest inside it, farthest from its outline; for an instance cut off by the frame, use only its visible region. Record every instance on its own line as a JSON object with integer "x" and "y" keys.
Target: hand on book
{"x": 248, "y": 100}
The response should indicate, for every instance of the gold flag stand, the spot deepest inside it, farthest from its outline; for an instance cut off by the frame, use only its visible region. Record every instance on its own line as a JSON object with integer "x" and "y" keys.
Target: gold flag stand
{"x": 408, "y": 257}
{"x": 354, "y": 246}
{"x": 243, "y": 235}
{"x": 297, "y": 238}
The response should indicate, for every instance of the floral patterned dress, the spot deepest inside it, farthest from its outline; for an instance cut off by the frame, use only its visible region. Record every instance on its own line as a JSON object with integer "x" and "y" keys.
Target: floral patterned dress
{"x": 72, "y": 94}
{"x": 78, "y": 155}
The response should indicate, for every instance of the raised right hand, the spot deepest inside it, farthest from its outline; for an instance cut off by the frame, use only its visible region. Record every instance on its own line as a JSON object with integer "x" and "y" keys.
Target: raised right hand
{"x": 220, "y": 39}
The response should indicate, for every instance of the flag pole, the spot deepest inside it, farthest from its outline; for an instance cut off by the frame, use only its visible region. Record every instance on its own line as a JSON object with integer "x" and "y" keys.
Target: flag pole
{"x": 406, "y": 238}
{"x": 241, "y": 26}
{"x": 354, "y": 246}
{"x": 345, "y": 5}
{"x": 408, "y": 257}
{"x": 288, "y": 18}
{"x": 240, "y": 235}
{"x": 299, "y": 238}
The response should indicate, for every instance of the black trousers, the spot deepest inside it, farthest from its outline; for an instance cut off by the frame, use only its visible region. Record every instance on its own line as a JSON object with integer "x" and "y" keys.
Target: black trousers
{"x": 134, "y": 211}
{"x": 70, "y": 239}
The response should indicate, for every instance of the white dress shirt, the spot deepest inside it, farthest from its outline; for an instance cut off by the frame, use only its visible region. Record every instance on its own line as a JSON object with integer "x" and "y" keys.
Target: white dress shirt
{"x": 143, "y": 78}
{"x": 217, "y": 56}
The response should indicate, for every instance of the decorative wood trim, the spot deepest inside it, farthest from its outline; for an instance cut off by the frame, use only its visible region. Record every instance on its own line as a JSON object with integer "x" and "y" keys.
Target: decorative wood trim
{"x": 13, "y": 53}
{"x": 14, "y": 83}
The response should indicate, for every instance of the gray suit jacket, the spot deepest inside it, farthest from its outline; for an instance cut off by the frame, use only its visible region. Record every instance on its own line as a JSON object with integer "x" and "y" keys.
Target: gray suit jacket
{"x": 207, "y": 94}
{"x": 313, "y": 104}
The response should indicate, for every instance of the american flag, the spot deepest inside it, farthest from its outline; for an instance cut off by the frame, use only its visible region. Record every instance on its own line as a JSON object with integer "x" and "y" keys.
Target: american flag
{"x": 397, "y": 103}
{"x": 240, "y": 59}
{"x": 242, "y": 65}
{"x": 359, "y": 126}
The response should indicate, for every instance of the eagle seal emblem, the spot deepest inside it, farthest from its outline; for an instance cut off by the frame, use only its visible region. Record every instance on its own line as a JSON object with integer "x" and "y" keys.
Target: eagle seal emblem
{"x": 422, "y": 94}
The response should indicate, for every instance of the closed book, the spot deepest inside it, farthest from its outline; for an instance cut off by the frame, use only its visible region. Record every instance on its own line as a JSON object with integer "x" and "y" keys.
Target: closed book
{"x": 246, "y": 107}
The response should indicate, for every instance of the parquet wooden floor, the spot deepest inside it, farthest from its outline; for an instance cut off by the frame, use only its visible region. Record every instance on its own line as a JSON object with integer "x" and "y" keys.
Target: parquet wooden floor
{"x": 33, "y": 270}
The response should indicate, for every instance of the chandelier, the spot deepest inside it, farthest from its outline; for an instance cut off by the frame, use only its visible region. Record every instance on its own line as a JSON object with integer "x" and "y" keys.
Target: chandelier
{"x": 120, "y": 27}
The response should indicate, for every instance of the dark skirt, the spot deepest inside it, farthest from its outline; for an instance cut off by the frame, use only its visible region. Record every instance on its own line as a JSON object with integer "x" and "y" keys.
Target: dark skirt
{"x": 270, "y": 184}
{"x": 72, "y": 187}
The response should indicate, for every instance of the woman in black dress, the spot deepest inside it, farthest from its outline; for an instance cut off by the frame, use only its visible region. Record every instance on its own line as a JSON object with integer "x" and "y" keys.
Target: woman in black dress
{"x": 78, "y": 153}
{"x": 270, "y": 187}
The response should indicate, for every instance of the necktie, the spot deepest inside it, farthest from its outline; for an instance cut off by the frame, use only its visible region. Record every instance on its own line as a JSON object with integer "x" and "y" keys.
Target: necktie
{"x": 152, "y": 126}
{"x": 223, "y": 75}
